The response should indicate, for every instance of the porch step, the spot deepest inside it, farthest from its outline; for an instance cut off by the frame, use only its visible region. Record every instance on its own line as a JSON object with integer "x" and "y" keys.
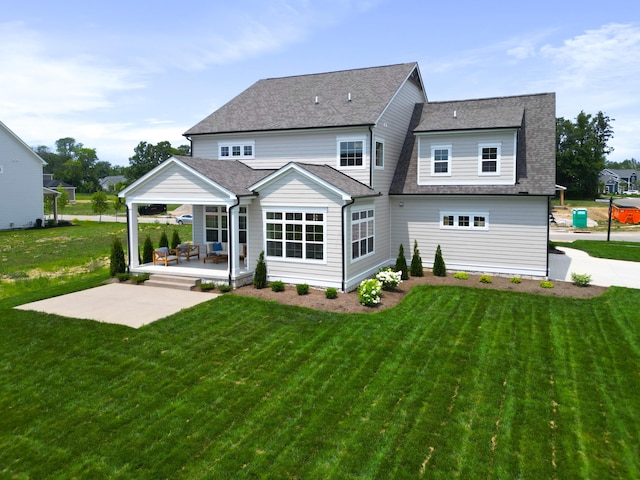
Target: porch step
{"x": 172, "y": 281}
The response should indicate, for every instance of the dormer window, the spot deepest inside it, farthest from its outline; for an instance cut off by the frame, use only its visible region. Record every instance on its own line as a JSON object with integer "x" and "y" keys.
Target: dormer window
{"x": 489, "y": 159}
{"x": 238, "y": 151}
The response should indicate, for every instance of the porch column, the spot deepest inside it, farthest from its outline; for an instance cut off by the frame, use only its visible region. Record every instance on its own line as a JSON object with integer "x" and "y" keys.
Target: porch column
{"x": 234, "y": 223}
{"x": 132, "y": 225}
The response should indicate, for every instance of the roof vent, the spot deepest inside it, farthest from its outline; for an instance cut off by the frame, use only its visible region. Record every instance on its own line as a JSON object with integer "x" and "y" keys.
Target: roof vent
{"x": 349, "y": 96}
{"x": 317, "y": 100}
{"x": 455, "y": 114}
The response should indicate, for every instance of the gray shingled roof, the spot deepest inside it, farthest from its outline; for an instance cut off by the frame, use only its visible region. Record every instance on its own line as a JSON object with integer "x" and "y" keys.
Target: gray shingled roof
{"x": 236, "y": 177}
{"x": 233, "y": 175}
{"x": 339, "y": 180}
{"x": 469, "y": 115}
{"x": 536, "y": 156}
{"x": 290, "y": 102}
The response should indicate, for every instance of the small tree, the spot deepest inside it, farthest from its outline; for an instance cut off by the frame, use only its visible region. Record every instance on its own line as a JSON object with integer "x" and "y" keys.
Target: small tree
{"x": 63, "y": 198}
{"x": 147, "y": 250}
{"x": 401, "y": 263}
{"x": 175, "y": 239}
{"x": 439, "y": 267}
{"x": 117, "y": 206}
{"x": 118, "y": 264}
{"x": 416, "y": 262}
{"x": 164, "y": 240}
{"x": 99, "y": 203}
{"x": 260, "y": 275}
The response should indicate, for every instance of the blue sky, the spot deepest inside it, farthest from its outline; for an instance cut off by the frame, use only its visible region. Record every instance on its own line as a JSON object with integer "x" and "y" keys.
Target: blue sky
{"x": 112, "y": 74}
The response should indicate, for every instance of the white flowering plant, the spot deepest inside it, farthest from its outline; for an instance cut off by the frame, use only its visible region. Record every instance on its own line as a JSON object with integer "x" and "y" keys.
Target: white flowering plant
{"x": 389, "y": 278}
{"x": 369, "y": 292}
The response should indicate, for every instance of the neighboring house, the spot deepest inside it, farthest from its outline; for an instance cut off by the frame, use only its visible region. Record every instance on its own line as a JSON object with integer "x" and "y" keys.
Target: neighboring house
{"x": 21, "y": 191}
{"x": 618, "y": 180}
{"x": 49, "y": 182}
{"x": 109, "y": 183}
{"x": 329, "y": 173}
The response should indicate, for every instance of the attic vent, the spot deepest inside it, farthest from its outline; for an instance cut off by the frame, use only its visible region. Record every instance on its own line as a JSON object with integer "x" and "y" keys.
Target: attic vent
{"x": 349, "y": 96}
{"x": 455, "y": 114}
{"x": 316, "y": 100}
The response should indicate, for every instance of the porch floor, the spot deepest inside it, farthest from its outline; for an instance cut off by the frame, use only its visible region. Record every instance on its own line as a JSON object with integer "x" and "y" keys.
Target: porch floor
{"x": 192, "y": 268}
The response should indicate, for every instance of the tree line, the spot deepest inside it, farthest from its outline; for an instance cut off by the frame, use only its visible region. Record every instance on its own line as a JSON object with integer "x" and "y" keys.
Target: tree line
{"x": 73, "y": 163}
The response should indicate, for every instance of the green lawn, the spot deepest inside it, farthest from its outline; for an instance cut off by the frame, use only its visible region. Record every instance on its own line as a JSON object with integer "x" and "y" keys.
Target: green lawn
{"x": 455, "y": 382}
{"x": 629, "y": 251}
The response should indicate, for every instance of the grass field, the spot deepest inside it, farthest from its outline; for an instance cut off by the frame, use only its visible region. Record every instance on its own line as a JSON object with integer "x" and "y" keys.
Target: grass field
{"x": 629, "y": 251}
{"x": 455, "y": 382}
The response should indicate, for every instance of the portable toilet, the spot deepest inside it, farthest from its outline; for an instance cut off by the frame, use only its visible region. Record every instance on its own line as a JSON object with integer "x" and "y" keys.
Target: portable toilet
{"x": 579, "y": 217}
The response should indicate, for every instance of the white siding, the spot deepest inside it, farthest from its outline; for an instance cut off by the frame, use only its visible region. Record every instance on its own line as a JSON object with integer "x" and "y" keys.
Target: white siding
{"x": 21, "y": 194}
{"x": 464, "y": 162}
{"x": 515, "y": 242}
{"x": 176, "y": 185}
{"x": 295, "y": 191}
{"x": 276, "y": 149}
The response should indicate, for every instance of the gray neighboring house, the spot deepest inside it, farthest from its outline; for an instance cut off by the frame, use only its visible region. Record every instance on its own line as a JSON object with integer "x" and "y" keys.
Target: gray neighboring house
{"x": 21, "y": 190}
{"x": 328, "y": 174}
{"x": 109, "y": 183}
{"x": 51, "y": 183}
{"x": 619, "y": 180}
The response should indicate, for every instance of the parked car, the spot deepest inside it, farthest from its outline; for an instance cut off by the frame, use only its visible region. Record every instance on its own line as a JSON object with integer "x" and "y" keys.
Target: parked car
{"x": 632, "y": 192}
{"x": 152, "y": 209}
{"x": 186, "y": 218}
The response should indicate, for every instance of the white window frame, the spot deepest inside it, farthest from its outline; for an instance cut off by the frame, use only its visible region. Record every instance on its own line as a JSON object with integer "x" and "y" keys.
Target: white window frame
{"x": 367, "y": 210}
{"x": 481, "y": 147}
{"x": 378, "y": 162}
{"x": 304, "y": 222}
{"x": 341, "y": 140}
{"x": 448, "y": 148}
{"x": 241, "y": 146}
{"x": 458, "y": 220}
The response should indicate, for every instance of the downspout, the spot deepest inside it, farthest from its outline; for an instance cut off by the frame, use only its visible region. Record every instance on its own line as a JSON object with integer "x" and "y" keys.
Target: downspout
{"x": 126, "y": 209}
{"x": 229, "y": 242}
{"x": 548, "y": 232}
{"x": 344, "y": 245}
{"x": 371, "y": 156}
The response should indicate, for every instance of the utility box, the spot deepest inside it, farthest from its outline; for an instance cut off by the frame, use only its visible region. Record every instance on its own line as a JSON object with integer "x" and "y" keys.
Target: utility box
{"x": 579, "y": 217}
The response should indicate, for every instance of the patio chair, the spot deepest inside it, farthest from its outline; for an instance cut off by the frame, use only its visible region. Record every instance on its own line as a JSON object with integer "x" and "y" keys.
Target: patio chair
{"x": 163, "y": 255}
{"x": 187, "y": 250}
{"x": 215, "y": 253}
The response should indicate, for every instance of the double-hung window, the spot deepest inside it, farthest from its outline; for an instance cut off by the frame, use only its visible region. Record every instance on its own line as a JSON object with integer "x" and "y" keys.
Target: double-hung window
{"x": 216, "y": 224}
{"x": 464, "y": 221}
{"x": 441, "y": 160}
{"x": 351, "y": 152}
{"x": 236, "y": 150}
{"x": 379, "y": 154}
{"x": 295, "y": 234}
{"x": 489, "y": 159}
{"x": 362, "y": 232}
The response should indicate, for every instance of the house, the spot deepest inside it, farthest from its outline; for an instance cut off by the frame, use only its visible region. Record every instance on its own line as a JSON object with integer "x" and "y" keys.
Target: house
{"x": 109, "y": 183}
{"x": 51, "y": 183}
{"x": 21, "y": 190}
{"x": 618, "y": 180}
{"x": 328, "y": 174}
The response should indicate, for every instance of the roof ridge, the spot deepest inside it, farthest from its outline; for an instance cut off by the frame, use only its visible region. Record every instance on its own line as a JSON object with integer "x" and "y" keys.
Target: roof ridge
{"x": 477, "y": 99}
{"x": 339, "y": 71}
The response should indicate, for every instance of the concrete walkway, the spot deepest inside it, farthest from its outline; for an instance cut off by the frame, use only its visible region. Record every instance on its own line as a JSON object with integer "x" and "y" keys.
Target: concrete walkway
{"x": 604, "y": 272}
{"x": 123, "y": 304}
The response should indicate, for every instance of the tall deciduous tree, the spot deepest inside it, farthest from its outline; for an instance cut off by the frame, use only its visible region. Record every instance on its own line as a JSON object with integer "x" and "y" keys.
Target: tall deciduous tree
{"x": 581, "y": 151}
{"x": 148, "y": 156}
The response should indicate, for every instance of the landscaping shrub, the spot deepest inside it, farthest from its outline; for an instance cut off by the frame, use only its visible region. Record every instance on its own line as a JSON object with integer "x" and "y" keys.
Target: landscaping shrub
{"x": 302, "y": 288}
{"x": 581, "y": 279}
{"x": 439, "y": 267}
{"x": 140, "y": 278}
{"x": 401, "y": 264}
{"x": 164, "y": 240}
{"x": 260, "y": 274}
{"x": 331, "y": 293}
{"x": 389, "y": 278}
{"x": 369, "y": 292}
{"x": 147, "y": 250}
{"x": 546, "y": 284}
{"x": 277, "y": 286}
{"x": 118, "y": 265}
{"x": 225, "y": 287}
{"x": 485, "y": 279}
{"x": 461, "y": 275}
{"x": 122, "y": 277}
{"x": 207, "y": 286}
{"x": 416, "y": 268}
{"x": 175, "y": 239}
{"x": 516, "y": 280}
